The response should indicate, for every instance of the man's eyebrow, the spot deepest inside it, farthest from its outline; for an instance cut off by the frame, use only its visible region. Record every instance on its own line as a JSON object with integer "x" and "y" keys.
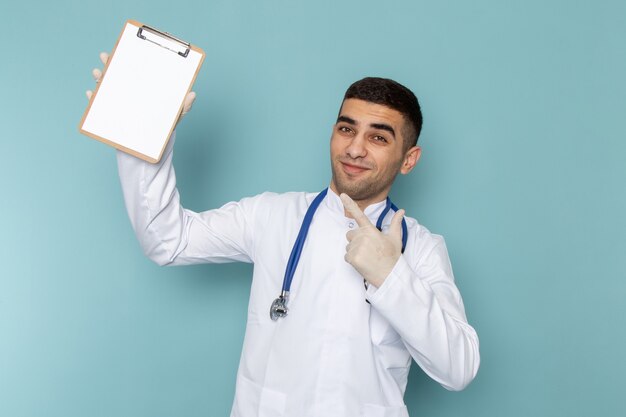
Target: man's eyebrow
{"x": 383, "y": 126}
{"x": 380, "y": 126}
{"x": 346, "y": 119}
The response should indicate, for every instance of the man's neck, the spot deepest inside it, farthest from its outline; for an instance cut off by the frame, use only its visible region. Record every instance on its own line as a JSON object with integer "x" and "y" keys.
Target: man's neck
{"x": 363, "y": 204}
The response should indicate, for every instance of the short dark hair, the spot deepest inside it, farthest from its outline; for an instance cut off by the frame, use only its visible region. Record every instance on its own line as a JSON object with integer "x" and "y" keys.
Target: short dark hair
{"x": 393, "y": 95}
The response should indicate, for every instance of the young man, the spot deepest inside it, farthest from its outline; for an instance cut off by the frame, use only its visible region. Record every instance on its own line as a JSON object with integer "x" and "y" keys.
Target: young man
{"x": 339, "y": 340}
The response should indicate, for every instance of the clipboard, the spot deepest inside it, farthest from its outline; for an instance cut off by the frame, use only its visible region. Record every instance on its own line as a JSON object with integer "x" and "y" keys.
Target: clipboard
{"x": 140, "y": 96}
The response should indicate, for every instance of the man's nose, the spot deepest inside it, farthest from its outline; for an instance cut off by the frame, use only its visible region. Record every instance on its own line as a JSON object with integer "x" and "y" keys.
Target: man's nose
{"x": 356, "y": 148}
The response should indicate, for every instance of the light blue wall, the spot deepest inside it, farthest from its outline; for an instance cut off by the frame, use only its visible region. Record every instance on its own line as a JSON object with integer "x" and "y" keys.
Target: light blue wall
{"x": 523, "y": 172}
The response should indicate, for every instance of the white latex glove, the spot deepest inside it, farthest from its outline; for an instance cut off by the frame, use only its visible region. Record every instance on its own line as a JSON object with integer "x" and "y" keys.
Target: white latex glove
{"x": 97, "y": 75}
{"x": 372, "y": 253}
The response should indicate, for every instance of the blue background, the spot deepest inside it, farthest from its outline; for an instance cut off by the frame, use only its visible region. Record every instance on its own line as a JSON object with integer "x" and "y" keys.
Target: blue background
{"x": 523, "y": 172}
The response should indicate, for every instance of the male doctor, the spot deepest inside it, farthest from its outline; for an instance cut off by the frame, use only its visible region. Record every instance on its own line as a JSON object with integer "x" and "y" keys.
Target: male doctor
{"x": 362, "y": 301}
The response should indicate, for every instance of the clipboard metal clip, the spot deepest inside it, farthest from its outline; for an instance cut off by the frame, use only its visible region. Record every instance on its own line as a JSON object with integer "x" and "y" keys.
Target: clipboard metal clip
{"x": 147, "y": 30}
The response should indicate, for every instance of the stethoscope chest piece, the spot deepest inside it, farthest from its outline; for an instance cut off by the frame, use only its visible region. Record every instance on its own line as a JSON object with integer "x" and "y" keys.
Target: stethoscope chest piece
{"x": 279, "y": 308}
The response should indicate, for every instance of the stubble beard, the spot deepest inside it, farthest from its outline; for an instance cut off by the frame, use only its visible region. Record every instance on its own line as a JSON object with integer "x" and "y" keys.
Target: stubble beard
{"x": 361, "y": 190}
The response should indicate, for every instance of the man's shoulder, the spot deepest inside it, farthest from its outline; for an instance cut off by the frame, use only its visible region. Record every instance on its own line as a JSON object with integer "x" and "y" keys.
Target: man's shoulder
{"x": 414, "y": 225}
{"x": 272, "y": 204}
{"x": 288, "y": 198}
{"x": 421, "y": 238}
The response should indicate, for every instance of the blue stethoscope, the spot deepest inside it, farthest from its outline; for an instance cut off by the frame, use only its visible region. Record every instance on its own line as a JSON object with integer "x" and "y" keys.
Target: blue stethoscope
{"x": 279, "y": 306}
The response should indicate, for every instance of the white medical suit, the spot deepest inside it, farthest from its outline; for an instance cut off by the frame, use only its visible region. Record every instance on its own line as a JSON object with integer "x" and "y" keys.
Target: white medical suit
{"x": 334, "y": 354}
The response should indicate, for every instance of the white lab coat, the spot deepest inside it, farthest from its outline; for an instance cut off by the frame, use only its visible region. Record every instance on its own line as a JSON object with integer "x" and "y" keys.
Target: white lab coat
{"x": 334, "y": 354}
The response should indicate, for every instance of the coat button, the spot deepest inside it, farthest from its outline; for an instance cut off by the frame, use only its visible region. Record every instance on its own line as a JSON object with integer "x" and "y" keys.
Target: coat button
{"x": 351, "y": 225}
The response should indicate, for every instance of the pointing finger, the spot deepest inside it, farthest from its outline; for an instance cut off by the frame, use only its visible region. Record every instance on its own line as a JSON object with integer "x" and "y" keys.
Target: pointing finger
{"x": 353, "y": 210}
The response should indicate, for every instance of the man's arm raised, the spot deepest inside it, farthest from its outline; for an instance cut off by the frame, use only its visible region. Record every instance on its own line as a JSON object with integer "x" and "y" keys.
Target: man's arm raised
{"x": 168, "y": 233}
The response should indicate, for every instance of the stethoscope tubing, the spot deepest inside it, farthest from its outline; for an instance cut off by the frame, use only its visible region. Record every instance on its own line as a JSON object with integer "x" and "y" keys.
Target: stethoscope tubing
{"x": 296, "y": 251}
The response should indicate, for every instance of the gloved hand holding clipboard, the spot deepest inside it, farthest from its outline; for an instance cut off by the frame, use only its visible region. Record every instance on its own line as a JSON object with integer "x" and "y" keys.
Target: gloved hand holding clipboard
{"x": 142, "y": 91}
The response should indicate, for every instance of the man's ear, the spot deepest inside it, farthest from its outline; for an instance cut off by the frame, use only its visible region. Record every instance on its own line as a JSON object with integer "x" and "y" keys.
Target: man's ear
{"x": 410, "y": 159}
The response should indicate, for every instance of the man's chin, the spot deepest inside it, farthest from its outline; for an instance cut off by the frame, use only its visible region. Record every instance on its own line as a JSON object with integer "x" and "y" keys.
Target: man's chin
{"x": 357, "y": 190}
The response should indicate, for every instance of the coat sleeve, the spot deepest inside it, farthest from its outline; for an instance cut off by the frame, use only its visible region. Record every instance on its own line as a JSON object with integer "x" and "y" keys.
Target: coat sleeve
{"x": 424, "y": 306}
{"x": 172, "y": 235}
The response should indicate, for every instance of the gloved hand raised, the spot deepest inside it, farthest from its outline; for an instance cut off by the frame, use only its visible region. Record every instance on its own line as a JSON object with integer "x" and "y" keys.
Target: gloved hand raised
{"x": 97, "y": 75}
{"x": 372, "y": 253}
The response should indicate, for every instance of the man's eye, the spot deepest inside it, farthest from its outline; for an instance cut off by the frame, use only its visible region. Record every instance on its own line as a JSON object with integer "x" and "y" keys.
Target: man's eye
{"x": 345, "y": 129}
{"x": 380, "y": 138}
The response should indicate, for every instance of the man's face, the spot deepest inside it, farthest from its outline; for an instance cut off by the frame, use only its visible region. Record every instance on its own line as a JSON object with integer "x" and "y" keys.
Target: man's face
{"x": 367, "y": 151}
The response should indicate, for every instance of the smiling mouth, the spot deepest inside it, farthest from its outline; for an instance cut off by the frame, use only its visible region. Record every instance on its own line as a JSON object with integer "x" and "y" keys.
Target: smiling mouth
{"x": 351, "y": 169}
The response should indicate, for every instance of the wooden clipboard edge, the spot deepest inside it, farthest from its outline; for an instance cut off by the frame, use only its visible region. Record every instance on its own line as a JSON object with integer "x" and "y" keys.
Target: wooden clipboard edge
{"x": 95, "y": 92}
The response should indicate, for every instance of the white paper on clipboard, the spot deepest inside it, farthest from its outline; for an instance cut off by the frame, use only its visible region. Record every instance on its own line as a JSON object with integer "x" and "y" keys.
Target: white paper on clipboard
{"x": 137, "y": 103}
